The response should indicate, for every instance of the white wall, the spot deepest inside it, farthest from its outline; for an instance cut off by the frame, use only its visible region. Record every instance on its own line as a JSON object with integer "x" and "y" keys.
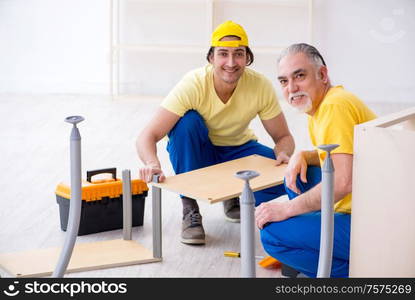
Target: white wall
{"x": 62, "y": 46}
{"x": 369, "y": 46}
{"x": 189, "y": 23}
{"x": 54, "y": 46}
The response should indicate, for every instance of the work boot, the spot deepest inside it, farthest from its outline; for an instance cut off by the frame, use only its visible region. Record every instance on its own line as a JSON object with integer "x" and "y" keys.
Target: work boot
{"x": 288, "y": 272}
{"x": 192, "y": 228}
{"x": 232, "y": 210}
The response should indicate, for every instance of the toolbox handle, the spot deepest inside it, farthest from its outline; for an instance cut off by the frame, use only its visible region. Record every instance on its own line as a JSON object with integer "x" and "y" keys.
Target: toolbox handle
{"x": 91, "y": 173}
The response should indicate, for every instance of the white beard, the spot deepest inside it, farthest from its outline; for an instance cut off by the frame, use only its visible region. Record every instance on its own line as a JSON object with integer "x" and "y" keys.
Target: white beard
{"x": 306, "y": 106}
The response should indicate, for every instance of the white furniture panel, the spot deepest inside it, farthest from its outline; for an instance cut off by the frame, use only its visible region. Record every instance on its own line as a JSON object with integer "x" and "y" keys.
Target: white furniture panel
{"x": 383, "y": 224}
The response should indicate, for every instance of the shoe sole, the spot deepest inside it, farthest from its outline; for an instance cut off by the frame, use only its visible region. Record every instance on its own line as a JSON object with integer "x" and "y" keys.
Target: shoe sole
{"x": 300, "y": 275}
{"x": 193, "y": 241}
{"x": 232, "y": 220}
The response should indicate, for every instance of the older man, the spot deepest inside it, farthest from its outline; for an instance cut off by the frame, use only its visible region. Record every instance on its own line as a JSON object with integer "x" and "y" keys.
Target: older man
{"x": 206, "y": 117}
{"x": 291, "y": 230}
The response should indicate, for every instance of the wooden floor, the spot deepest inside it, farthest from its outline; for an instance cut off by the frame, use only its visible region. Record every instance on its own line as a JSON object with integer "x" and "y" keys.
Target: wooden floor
{"x": 35, "y": 158}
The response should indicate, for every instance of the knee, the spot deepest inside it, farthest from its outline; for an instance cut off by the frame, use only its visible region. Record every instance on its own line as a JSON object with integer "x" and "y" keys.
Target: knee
{"x": 313, "y": 177}
{"x": 190, "y": 121}
{"x": 314, "y": 174}
{"x": 270, "y": 241}
{"x": 276, "y": 244}
{"x": 291, "y": 194}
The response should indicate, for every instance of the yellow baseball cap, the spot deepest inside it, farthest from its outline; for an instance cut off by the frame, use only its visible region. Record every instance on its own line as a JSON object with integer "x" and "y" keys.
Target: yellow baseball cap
{"x": 229, "y": 28}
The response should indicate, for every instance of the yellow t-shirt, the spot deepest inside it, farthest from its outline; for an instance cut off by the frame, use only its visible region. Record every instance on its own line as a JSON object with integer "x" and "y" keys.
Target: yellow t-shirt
{"x": 227, "y": 123}
{"x": 333, "y": 123}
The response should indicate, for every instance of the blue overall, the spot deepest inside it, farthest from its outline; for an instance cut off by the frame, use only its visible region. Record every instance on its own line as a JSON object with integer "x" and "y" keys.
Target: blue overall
{"x": 190, "y": 148}
{"x": 296, "y": 241}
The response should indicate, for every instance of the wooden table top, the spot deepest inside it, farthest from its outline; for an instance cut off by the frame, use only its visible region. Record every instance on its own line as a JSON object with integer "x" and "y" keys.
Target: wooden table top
{"x": 218, "y": 182}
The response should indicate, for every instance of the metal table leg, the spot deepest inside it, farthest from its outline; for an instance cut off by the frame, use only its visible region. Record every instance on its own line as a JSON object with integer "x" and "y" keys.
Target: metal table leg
{"x": 127, "y": 214}
{"x": 247, "y": 202}
{"x": 157, "y": 242}
{"x": 76, "y": 198}
{"x": 327, "y": 214}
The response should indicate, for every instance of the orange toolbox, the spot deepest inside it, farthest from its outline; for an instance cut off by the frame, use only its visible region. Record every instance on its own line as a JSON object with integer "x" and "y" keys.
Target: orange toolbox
{"x": 102, "y": 207}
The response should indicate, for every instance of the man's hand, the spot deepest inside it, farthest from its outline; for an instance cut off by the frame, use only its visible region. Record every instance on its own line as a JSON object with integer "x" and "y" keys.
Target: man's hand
{"x": 282, "y": 158}
{"x": 296, "y": 165}
{"x": 268, "y": 212}
{"x": 146, "y": 173}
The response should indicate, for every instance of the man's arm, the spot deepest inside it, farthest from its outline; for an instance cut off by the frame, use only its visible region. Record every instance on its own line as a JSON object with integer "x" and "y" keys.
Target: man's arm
{"x": 161, "y": 124}
{"x": 310, "y": 200}
{"x": 277, "y": 128}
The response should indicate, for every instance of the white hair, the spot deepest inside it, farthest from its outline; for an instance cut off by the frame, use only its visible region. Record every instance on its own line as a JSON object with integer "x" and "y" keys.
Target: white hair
{"x": 310, "y": 51}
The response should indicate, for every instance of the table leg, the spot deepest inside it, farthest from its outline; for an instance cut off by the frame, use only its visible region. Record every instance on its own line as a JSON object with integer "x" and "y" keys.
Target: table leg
{"x": 327, "y": 214}
{"x": 126, "y": 205}
{"x": 247, "y": 202}
{"x": 75, "y": 204}
{"x": 157, "y": 242}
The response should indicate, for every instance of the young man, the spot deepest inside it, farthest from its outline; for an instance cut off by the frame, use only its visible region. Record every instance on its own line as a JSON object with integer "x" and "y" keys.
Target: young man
{"x": 206, "y": 117}
{"x": 291, "y": 230}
